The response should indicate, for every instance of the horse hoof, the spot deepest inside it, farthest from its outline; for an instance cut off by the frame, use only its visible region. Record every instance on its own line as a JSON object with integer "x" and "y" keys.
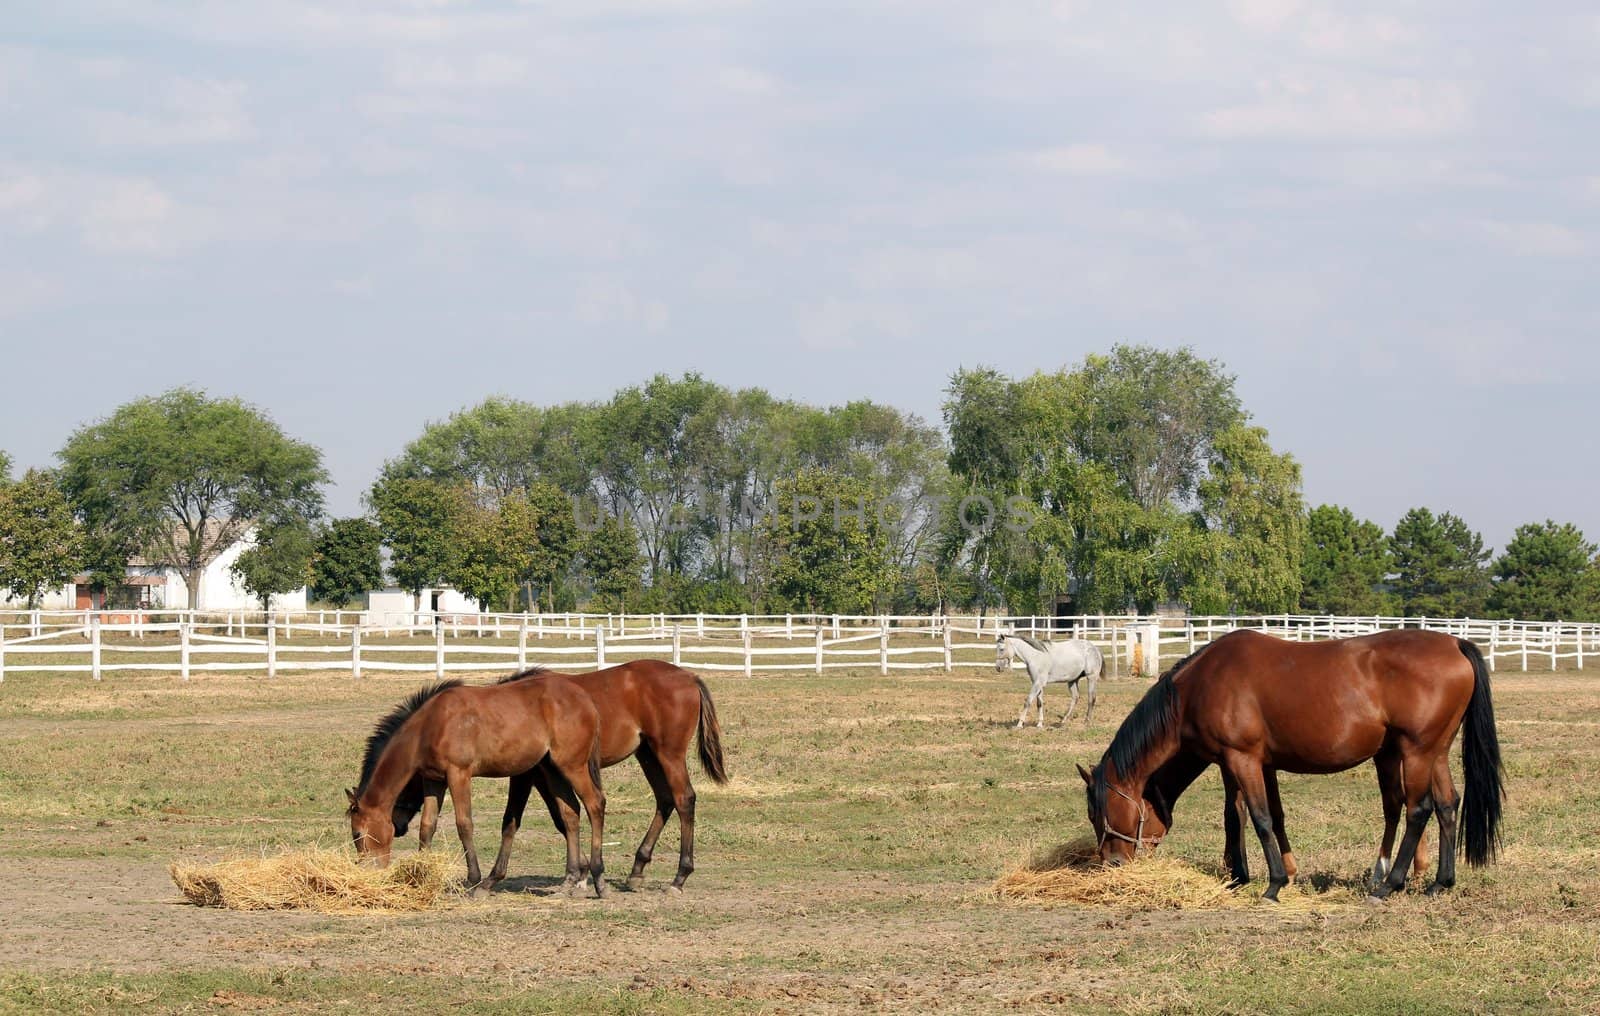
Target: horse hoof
{"x": 634, "y": 883}
{"x": 1434, "y": 889}
{"x": 674, "y": 890}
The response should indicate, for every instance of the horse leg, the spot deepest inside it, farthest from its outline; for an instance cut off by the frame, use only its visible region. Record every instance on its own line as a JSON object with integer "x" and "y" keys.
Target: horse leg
{"x": 1248, "y": 773}
{"x": 562, "y": 804}
{"x": 581, "y": 774}
{"x": 1073, "y": 704}
{"x": 677, "y": 773}
{"x": 516, "y": 801}
{"x": 1094, "y": 679}
{"x": 663, "y": 795}
{"x": 461, "y": 797}
{"x": 1033, "y": 692}
{"x": 1445, "y": 802}
{"x": 1394, "y": 803}
{"x": 1275, "y": 806}
{"x": 1040, "y": 724}
{"x": 432, "y": 798}
{"x": 1417, "y": 774}
{"x": 1233, "y": 854}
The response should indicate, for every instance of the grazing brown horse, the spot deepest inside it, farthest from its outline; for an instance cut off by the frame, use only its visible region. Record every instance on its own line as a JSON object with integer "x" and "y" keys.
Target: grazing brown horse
{"x": 1254, "y": 705}
{"x": 649, "y": 709}
{"x": 444, "y": 735}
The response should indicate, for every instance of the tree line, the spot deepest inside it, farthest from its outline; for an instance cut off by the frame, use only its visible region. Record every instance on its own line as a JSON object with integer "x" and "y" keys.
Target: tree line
{"x": 1132, "y": 480}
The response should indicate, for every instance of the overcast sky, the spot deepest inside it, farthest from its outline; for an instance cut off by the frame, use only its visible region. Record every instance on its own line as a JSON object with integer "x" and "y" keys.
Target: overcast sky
{"x": 362, "y": 216}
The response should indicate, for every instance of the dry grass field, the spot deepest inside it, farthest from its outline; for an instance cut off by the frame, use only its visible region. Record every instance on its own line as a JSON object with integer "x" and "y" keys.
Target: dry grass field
{"x": 846, "y": 867}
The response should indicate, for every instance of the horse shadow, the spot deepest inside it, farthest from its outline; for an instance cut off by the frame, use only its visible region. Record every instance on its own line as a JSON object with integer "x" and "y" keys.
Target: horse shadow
{"x": 537, "y": 885}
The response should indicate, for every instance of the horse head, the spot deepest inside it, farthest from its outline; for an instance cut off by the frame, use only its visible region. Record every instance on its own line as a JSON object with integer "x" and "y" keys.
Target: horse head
{"x": 1002, "y": 654}
{"x": 1124, "y": 822}
{"x": 371, "y": 830}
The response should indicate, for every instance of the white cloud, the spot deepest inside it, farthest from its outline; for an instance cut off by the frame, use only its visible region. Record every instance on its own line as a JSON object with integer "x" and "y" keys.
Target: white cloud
{"x": 1291, "y": 106}
{"x": 131, "y": 216}
{"x": 601, "y": 301}
{"x": 1078, "y": 160}
{"x": 192, "y": 111}
{"x": 1262, "y": 15}
{"x": 836, "y": 325}
{"x": 1536, "y": 239}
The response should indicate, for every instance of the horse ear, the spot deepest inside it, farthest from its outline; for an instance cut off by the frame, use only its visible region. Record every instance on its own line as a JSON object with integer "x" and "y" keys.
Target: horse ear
{"x": 1087, "y": 779}
{"x": 350, "y": 792}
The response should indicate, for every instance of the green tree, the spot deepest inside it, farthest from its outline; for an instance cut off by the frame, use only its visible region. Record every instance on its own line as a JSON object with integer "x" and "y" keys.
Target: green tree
{"x": 347, "y": 562}
{"x": 612, "y": 562}
{"x": 181, "y": 477}
{"x": 1439, "y": 566}
{"x": 544, "y": 521}
{"x": 828, "y": 546}
{"x": 278, "y": 562}
{"x": 1131, "y": 480}
{"x": 1542, "y": 574}
{"x": 41, "y": 546}
{"x": 491, "y": 553}
{"x": 421, "y": 522}
{"x": 1345, "y": 562}
{"x": 1254, "y": 516}
{"x": 5, "y": 469}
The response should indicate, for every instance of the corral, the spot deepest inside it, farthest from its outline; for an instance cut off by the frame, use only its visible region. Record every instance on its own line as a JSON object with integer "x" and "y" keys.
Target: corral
{"x": 849, "y": 864}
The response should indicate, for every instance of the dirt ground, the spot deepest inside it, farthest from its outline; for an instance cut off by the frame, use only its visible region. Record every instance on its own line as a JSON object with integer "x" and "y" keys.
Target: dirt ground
{"x": 846, "y": 867}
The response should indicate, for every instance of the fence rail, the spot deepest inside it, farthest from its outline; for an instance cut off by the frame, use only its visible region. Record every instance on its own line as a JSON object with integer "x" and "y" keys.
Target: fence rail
{"x": 190, "y": 642}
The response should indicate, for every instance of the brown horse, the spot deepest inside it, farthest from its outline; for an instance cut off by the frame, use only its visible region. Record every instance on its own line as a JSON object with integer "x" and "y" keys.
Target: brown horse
{"x": 649, "y": 709}
{"x": 1255, "y": 705}
{"x": 444, "y": 735}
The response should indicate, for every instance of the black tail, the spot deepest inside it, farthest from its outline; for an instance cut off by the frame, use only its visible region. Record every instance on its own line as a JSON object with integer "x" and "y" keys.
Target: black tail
{"x": 1480, "y": 752}
{"x": 710, "y": 737}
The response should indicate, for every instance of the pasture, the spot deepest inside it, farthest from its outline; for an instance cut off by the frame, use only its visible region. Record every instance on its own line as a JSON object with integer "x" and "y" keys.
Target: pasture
{"x": 846, "y": 866}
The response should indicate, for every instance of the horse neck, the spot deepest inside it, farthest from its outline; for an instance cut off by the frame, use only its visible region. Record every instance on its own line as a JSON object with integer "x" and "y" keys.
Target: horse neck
{"x": 1157, "y": 754}
{"x": 394, "y": 770}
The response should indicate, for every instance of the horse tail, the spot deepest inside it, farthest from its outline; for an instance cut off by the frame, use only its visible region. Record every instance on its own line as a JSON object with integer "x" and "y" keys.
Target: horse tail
{"x": 1480, "y": 752}
{"x": 710, "y": 737}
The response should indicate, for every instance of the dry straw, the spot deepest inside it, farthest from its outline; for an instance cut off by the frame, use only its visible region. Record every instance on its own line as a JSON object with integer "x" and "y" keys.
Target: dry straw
{"x": 327, "y": 881}
{"x": 1070, "y": 875}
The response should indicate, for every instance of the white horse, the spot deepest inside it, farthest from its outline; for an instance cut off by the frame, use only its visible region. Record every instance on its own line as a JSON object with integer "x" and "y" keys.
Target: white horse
{"x": 1050, "y": 663}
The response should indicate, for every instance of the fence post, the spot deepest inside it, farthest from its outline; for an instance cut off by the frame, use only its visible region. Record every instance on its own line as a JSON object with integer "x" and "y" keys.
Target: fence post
{"x": 599, "y": 647}
{"x": 947, "y": 659}
{"x": 522, "y": 643}
{"x": 94, "y": 645}
{"x": 38, "y": 627}
{"x": 1494, "y": 643}
{"x": 836, "y": 626}
{"x": 700, "y": 626}
{"x": 819, "y": 649}
{"x": 883, "y": 648}
{"x": 288, "y": 625}
{"x": 1578, "y": 631}
{"x": 438, "y": 652}
{"x": 2, "y": 654}
{"x": 183, "y": 649}
{"x": 355, "y": 652}
{"x": 272, "y": 644}
{"x": 746, "y": 630}
{"x": 788, "y": 626}
{"x": 677, "y": 645}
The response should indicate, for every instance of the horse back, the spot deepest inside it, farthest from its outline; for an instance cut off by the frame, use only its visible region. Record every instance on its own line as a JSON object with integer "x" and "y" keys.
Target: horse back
{"x": 1326, "y": 705}
{"x": 643, "y": 701}
{"x": 506, "y": 729}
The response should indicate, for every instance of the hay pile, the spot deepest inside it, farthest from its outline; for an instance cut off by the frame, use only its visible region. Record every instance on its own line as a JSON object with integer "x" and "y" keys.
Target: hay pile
{"x": 327, "y": 881}
{"x": 1069, "y": 874}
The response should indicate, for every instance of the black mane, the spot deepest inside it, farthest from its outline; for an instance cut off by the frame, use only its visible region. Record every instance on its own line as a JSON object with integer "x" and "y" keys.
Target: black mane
{"x": 389, "y": 725}
{"x": 1151, "y": 721}
{"x": 521, "y": 674}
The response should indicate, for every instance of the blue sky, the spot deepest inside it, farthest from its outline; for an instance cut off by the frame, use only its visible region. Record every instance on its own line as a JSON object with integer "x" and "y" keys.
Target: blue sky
{"x": 362, "y": 216}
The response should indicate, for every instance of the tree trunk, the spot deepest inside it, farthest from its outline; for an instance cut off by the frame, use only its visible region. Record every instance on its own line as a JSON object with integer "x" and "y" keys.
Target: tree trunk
{"x": 191, "y": 578}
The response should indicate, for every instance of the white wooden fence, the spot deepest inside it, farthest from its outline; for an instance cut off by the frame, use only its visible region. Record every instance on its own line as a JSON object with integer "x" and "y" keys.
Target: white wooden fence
{"x": 190, "y": 642}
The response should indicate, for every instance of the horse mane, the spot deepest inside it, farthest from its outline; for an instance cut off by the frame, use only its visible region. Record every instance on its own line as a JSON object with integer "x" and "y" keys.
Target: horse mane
{"x": 523, "y": 674}
{"x": 1152, "y": 720}
{"x": 386, "y": 728}
{"x": 1035, "y": 643}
